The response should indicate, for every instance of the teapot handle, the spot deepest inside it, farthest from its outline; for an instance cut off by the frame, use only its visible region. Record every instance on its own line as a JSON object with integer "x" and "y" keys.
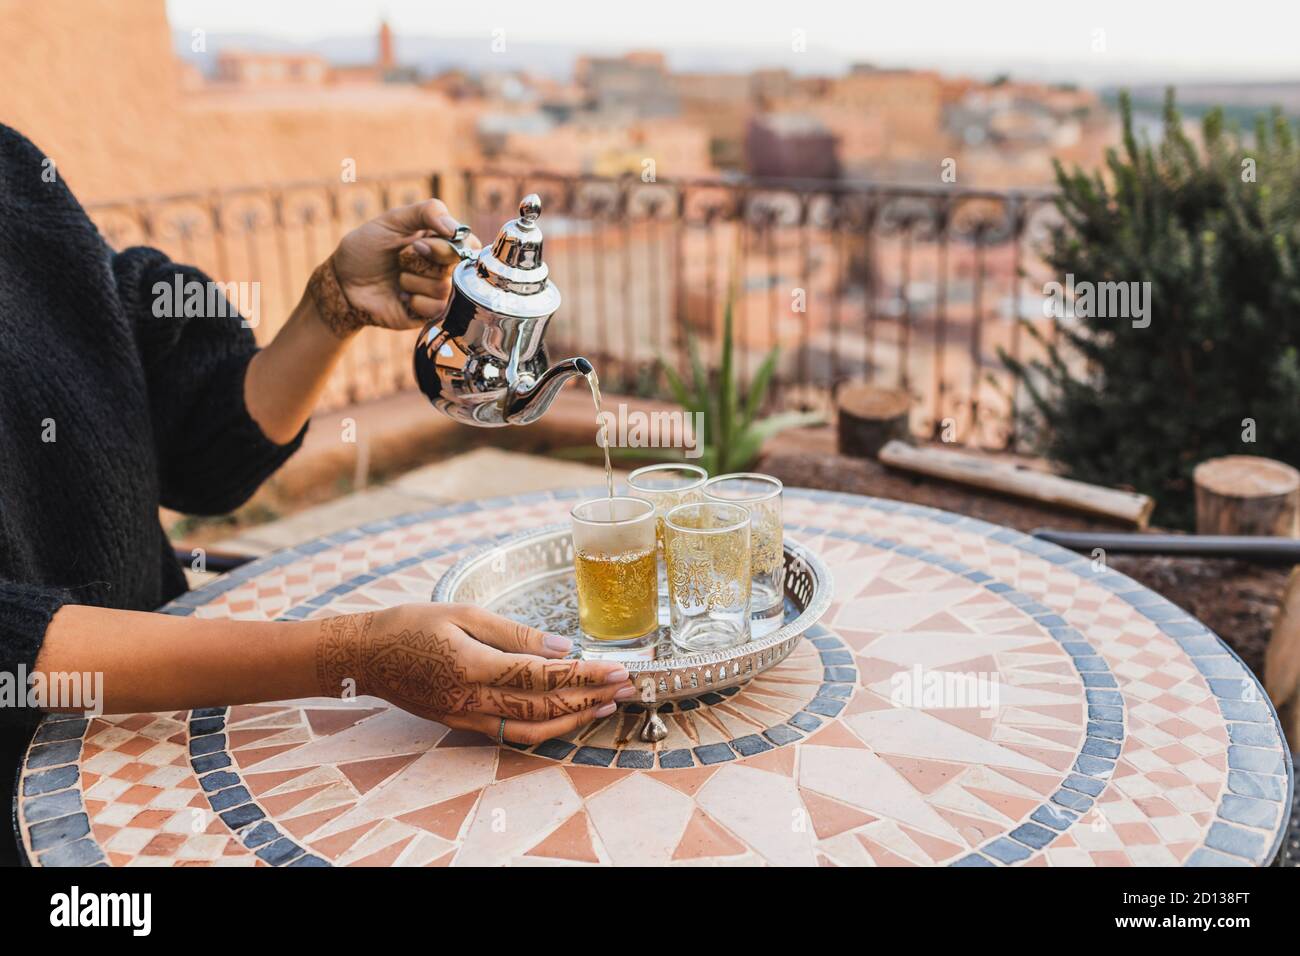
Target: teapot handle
{"x": 457, "y": 242}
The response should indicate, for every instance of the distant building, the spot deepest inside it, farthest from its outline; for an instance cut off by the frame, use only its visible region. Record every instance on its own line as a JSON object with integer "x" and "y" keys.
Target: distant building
{"x": 594, "y": 143}
{"x": 769, "y": 86}
{"x": 634, "y": 85}
{"x": 261, "y": 70}
{"x": 456, "y": 85}
{"x": 721, "y": 105}
{"x": 1007, "y": 133}
{"x": 268, "y": 70}
{"x": 387, "y": 58}
{"x": 790, "y": 145}
{"x": 890, "y": 122}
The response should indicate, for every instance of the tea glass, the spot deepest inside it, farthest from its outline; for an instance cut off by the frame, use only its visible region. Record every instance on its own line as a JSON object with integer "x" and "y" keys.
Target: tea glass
{"x": 615, "y": 559}
{"x": 707, "y": 548}
{"x": 760, "y": 495}
{"x": 666, "y": 486}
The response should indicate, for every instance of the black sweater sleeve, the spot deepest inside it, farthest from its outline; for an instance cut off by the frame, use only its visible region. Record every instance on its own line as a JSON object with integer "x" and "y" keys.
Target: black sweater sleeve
{"x": 25, "y": 612}
{"x": 212, "y": 455}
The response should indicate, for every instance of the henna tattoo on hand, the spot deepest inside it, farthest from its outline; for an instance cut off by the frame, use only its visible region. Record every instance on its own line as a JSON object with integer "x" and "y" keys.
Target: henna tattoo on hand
{"x": 557, "y": 675}
{"x": 509, "y": 705}
{"x": 338, "y": 649}
{"x": 420, "y": 671}
{"x": 518, "y": 707}
{"x": 517, "y": 676}
{"x": 338, "y": 314}
{"x": 411, "y": 668}
{"x": 558, "y": 707}
{"x": 408, "y": 260}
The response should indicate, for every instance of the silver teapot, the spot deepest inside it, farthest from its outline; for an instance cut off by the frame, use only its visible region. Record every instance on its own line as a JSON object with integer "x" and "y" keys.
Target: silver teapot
{"x": 483, "y": 362}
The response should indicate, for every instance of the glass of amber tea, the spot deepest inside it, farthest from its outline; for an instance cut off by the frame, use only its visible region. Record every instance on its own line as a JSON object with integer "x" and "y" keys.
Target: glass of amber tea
{"x": 666, "y": 486}
{"x": 760, "y": 495}
{"x": 615, "y": 559}
{"x": 707, "y": 549}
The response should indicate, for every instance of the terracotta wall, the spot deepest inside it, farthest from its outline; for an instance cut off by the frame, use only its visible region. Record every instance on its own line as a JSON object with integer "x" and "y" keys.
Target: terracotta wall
{"x": 96, "y": 85}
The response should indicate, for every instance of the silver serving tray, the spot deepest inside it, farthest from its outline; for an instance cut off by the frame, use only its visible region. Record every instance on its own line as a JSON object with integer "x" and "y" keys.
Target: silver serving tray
{"x": 530, "y": 577}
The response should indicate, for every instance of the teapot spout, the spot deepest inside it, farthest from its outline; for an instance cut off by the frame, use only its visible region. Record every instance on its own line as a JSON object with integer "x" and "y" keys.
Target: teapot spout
{"x": 528, "y": 400}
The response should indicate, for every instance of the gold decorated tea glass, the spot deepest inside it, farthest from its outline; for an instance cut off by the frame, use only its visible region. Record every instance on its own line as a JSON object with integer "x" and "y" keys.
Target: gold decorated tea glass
{"x": 615, "y": 560}
{"x": 706, "y": 545}
{"x": 666, "y": 486}
{"x": 760, "y": 495}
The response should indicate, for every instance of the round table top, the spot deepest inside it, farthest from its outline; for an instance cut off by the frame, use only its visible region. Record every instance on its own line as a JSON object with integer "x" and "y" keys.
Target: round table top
{"x": 972, "y": 697}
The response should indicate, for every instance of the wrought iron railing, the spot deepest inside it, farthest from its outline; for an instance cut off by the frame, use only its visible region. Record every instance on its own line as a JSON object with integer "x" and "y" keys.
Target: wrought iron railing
{"x": 915, "y": 287}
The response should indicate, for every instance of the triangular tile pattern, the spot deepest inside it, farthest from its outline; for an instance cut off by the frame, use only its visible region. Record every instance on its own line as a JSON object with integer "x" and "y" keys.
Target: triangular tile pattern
{"x": 1155, "y": 676}
{"x": 571, "y": 840}
{"x": 901, "y": 795}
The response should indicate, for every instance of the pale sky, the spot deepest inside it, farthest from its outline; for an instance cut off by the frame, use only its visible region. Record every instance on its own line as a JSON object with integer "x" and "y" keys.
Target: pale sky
{"x": 1141, "y": 39}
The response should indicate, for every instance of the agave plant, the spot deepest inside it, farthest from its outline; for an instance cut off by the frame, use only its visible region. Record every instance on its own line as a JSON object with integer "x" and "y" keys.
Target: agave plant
{"x": 733, "y": 433}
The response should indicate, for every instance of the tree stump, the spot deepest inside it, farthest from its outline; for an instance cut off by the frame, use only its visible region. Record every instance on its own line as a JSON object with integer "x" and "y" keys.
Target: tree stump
{"x": 1244, "y": 494}
{"x": 1282, "y": 659}
{"x": 869, "y": 417}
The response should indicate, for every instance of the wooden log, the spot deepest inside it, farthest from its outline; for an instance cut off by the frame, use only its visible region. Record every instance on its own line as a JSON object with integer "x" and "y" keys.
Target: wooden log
{"x": 1282, "y": 659}
{"x": 1245, "y": 494}
{"x": 966, "y": 469}
{"x": 869, "y": 417}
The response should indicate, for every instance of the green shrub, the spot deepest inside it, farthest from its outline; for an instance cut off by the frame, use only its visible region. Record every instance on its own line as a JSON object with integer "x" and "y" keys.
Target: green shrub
{"x": 733, "y": 432}
{"x": 1215, "y": 231}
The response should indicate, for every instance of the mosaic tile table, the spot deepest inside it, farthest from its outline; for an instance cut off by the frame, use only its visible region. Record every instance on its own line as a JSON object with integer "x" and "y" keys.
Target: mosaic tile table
{"x": 1125, "y": 733}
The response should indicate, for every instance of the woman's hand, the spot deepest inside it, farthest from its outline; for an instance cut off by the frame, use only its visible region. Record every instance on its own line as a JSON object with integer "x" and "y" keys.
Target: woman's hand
{"x": 394, "y": 271}
{"x": 468, "y": 668}
{"x": 390, "y": 272}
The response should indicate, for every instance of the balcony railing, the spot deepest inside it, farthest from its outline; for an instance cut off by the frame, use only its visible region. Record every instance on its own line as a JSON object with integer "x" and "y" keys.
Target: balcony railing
{"x": 915, "y": 287}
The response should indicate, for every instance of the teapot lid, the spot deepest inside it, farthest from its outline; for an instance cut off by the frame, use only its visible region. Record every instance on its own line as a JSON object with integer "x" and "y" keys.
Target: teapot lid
{"x": 511, "y": 278}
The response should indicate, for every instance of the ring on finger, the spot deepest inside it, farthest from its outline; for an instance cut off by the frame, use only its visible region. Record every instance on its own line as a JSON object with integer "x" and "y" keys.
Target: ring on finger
{"x": 501, "y": 732}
